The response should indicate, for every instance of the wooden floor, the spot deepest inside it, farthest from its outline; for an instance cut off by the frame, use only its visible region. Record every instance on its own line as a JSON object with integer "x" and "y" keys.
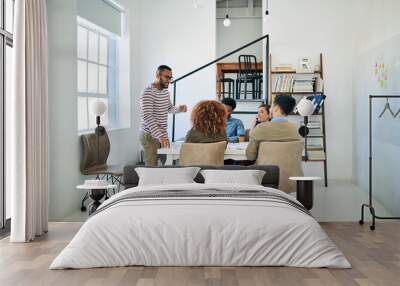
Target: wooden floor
{"x": 375, "y": 257}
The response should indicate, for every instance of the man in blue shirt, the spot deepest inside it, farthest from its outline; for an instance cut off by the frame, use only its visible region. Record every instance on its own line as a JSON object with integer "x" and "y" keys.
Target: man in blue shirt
{"x": 234, "y": 126}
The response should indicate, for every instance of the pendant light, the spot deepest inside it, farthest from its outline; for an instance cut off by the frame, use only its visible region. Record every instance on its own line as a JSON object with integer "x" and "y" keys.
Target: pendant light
{"x": 227, "y": 21}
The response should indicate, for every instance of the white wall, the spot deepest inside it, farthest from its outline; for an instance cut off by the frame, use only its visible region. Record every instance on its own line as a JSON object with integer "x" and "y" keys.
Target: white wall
{"x": 64, "y": 142}
{"x": 156, "y": 38}
{"x": 65, "y": 146}
{"x": 177, "y": 34}
{"x": 378, "y": 42}
{"x": 307, "y": 28}
{"x": 244, "y": 28}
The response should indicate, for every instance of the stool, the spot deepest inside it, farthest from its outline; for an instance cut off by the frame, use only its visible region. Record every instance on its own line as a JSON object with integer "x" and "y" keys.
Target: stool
{"x": 256, "y": 86}
{"x": 248, "y": 74}
{"x": 230, "y": 83}
{"x": 304, "y": 192}
{"x": 259, "y": 83}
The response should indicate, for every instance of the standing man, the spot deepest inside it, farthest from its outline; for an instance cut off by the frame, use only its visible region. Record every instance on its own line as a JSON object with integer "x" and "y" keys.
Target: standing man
{"x": 155, "y": 104}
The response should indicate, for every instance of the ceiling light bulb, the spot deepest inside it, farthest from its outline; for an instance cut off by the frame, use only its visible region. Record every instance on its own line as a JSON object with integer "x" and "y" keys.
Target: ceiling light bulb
{"x": 227, "y": 21}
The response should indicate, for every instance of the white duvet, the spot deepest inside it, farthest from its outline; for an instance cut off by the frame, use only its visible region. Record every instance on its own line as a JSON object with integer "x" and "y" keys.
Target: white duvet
{"x": 200, "y": 231}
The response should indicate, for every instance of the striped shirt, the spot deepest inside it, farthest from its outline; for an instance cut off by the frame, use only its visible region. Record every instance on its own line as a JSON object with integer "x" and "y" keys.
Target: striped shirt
{"x": 155, "y": 105}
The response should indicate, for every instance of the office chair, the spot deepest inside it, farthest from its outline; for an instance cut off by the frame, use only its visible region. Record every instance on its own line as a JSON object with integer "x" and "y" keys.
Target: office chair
{"x": 90, "y": 165}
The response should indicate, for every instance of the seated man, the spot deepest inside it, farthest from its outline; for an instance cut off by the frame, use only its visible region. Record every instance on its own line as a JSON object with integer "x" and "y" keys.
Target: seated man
{"x": 234, "y": 127}
{"x": 279, "y": 129}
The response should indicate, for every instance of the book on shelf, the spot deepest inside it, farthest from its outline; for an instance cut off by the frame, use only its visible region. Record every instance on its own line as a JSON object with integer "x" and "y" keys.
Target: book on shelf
{"x": 304, "y": 84}
{"x": 312, "y": 124}
{"x": 314, "y": 132}
{"x": 282, "y": 83}
{"x": 292, "y": 83}
{"x": 319, "y": 87}
{"x": 278, "y": 69}
{"x": 305, "y": 70}
{"x": 314, "y": 147}
{"x": 315, "y": 155}
{"x": 303, "y": 89}
{"x": 283, "y": 68}
{"x": 317, "y": 100}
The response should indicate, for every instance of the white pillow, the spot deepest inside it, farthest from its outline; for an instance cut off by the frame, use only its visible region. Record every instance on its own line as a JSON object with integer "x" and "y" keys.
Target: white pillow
{"x": 248, "y": 177}
{"x": 166, "y": 176}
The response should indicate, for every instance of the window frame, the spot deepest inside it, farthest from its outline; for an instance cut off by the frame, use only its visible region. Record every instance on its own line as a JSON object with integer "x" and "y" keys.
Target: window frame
{"x": 112, "y": 120}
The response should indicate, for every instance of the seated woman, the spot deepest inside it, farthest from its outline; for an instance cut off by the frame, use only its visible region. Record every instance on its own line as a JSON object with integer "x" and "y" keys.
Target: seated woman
{"x": 263, "y": 115}
{"x": 209, "y": 123}
{"x": 279, "y": 129}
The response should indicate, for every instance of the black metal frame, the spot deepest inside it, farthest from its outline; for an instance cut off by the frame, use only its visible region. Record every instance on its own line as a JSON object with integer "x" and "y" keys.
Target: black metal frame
{"x": 6, "y": 39}
{"x": 266, "y": 83}
{"x": 369, "y": 205}
{"x": 5, "y": 231}
{"x": 247, "y": 75}
{"x": 114, "y": 179}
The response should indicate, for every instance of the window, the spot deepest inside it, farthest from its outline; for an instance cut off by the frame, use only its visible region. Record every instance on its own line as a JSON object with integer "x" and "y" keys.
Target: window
{"x": 97, "y": 74}
{"x": 6, "y": 60}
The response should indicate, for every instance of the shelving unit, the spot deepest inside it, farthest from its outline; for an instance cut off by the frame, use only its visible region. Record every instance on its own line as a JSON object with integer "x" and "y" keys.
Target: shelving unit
{"x": 316, "y": 152}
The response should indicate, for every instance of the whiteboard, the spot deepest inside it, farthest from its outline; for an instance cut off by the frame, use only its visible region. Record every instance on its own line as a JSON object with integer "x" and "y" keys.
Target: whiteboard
{"x": 377, "y": 71}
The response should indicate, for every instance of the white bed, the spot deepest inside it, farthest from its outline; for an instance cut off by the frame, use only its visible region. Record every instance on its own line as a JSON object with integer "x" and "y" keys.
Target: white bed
{"x": 206, "y": 230}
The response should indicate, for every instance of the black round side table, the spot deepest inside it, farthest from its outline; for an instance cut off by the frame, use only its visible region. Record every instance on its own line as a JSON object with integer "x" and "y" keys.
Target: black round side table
{"x": 304, "y": 192}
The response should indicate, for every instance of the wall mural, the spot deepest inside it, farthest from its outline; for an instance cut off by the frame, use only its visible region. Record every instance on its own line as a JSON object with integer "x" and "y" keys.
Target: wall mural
{"x": 381, "y": 74}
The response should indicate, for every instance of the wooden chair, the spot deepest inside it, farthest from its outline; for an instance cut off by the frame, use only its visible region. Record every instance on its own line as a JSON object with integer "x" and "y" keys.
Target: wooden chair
{"x": 287, "y": 156}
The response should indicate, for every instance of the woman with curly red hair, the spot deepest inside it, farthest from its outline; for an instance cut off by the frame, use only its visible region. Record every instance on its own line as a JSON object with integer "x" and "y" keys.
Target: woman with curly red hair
{"x": 209, "y": 123}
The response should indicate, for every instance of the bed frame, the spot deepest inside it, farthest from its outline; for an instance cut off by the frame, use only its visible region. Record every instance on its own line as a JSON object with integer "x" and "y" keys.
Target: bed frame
{"x": 270, "y": 179}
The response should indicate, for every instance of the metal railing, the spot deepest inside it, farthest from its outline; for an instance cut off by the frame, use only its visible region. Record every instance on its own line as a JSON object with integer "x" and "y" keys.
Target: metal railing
{"x": 266, "y": 82}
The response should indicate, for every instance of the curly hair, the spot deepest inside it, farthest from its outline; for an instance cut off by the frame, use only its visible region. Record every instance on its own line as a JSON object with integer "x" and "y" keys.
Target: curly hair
{"x": 209, "y": 116}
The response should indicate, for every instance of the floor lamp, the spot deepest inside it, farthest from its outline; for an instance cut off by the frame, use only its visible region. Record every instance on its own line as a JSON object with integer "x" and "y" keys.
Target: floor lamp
{"x": 98, "y": 109}
{"x": 305, "y": 108}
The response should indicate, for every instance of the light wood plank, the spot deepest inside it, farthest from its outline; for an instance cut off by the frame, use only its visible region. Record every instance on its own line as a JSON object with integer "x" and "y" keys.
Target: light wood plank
{"x": 375, "y": 257}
